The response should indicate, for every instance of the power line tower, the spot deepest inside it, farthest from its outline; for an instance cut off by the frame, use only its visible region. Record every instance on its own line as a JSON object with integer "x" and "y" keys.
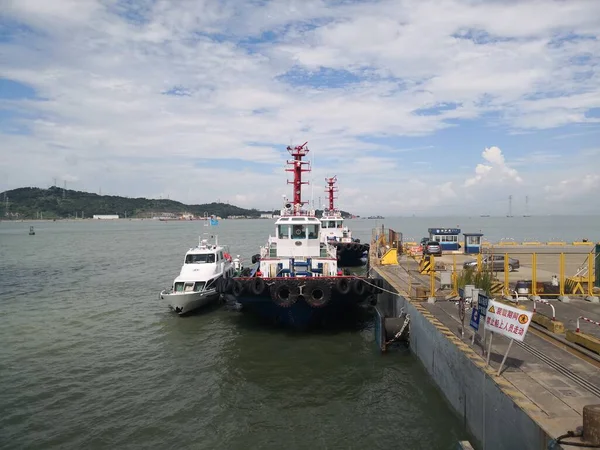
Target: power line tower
{"x": 65, "y": 189}
{"x": 54, "y": 182}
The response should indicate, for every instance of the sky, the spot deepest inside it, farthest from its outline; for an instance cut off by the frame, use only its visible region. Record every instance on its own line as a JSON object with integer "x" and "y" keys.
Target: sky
{"x": 444, "y": 107}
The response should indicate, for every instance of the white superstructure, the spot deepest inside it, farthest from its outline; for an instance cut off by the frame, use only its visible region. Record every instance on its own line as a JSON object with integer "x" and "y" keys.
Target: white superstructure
{"x": 297, "y": 249}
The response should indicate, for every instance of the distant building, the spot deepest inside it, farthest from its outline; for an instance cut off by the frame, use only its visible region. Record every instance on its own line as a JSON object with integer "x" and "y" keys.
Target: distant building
{"x": 266, "y": 216}
{"x": 106, "y": 216}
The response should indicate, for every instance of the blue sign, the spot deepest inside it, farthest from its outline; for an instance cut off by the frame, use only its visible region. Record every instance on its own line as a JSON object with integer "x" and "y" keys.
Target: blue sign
{"x": 475, "y": 319}
{"x": 482, "y": 304}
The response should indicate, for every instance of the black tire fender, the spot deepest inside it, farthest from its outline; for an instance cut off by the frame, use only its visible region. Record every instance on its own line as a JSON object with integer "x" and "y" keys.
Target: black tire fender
{"x": 317, "y": 295}
{"x": 237, "y": 288}
{"x": 257, "y": 285}
{"x": 284, "y": 294}
{"x": 359, "y": 287}
{"x": 343, "y": 285}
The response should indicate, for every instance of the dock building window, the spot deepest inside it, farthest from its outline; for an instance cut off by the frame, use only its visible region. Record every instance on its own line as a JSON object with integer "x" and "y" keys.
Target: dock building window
{"x": 444, "y": 238}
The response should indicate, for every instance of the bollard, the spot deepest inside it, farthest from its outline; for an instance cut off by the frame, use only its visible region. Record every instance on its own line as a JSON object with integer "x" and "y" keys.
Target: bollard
{"x": 591, "y": 424}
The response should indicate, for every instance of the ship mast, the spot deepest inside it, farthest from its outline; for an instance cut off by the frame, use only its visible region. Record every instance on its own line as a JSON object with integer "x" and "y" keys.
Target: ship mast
{"x": 331, "y": 189}
{"x": 297, "y": 166}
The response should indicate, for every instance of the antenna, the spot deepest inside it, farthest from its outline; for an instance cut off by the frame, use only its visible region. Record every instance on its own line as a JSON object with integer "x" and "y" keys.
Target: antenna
{"x": 298, "y": 167}
{"x": 312, "y": 184}
{"x": 331, "y": 190}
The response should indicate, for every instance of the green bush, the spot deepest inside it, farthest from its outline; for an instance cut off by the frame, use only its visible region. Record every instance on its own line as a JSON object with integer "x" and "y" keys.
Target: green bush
{"x": 481, "y": 280}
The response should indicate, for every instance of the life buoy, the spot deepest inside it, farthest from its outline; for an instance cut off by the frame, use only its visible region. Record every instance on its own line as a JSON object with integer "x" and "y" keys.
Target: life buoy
{"x": 317, "y": 295}
{"x": 342, "y": 285}
{"x": 359, "y": 287}
{"x": 237, "y": 288}
{"x": 284, "y": 294}
{"x": 257, "y": 285}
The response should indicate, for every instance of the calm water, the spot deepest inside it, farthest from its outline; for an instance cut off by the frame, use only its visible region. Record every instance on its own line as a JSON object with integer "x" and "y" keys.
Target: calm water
{"x": 90, "y": 359}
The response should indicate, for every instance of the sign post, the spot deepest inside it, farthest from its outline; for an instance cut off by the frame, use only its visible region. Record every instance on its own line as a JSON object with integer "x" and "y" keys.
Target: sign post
{"x": 508, "y": 321}
{"x": 482, "y": 303}
{"x": 461, "y": 312}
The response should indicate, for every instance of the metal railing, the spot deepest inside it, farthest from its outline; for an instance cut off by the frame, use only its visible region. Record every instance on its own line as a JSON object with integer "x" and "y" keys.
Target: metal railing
{"x": 545, "y": 302}
{"x": 587, "y": 320}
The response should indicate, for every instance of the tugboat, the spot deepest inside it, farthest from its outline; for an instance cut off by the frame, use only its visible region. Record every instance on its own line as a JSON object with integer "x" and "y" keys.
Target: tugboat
{"x": 350, "y": 252}
{"x": 295, "y": 280}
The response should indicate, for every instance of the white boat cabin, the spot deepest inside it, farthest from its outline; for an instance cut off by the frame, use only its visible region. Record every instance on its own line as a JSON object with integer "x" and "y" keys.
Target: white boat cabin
{"x": 297, "y": 248}
{"x": 333, "y": 228}
{"x": 202, "y": 264}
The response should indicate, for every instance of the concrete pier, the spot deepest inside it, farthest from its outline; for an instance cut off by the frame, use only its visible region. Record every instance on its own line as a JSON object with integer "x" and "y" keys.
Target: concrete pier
{"x": 547, "y": 380}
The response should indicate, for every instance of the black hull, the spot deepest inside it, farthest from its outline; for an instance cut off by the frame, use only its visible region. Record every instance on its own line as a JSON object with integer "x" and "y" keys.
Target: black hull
{"x": 351, "y": 254}
{"x": 304, "y": 303}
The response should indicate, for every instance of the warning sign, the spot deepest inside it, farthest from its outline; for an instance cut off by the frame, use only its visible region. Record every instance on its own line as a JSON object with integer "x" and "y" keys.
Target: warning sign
{"x": 507, "y": 320}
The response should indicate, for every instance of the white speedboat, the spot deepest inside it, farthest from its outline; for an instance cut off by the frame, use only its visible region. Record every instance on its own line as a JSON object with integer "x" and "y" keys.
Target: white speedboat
{"x": 201, "y": 273}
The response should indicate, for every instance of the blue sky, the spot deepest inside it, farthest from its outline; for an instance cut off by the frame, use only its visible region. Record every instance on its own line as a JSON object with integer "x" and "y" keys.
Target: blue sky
{"x": 430, "y": 107}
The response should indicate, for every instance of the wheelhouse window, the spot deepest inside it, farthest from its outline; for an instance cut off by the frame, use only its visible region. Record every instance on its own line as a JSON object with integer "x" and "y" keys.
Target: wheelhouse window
{"x": 283, "y": 231}
{"x": 205, "y": 258}
{"x": 298, "y": 231}
{"x": 312, "y": 231}
{"x": 332, "y": 224}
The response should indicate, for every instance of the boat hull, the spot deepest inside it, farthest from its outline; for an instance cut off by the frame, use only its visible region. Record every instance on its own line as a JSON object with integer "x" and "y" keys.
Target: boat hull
{"x": 300, "y": 308}
{"x": 350, "y": 254}
{"x": 186, "y": 302}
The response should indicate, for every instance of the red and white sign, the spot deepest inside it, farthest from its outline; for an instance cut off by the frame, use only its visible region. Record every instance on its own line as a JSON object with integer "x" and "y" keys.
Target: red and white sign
{"x": 507, "y": 320}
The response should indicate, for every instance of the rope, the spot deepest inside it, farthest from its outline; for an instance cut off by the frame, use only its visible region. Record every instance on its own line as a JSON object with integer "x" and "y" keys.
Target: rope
{"x": 382, "y": 289}
{"x": 559, "y": 440}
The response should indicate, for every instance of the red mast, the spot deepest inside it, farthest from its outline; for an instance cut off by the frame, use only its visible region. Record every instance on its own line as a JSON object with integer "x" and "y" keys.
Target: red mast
{"x": 331, "y": 190}
{"x": 298, "y": 166}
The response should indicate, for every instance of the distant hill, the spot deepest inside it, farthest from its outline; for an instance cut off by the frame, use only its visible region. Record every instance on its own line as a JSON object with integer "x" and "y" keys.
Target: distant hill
{"x": 58, "y": 203}
{"x": 53, "y": 204}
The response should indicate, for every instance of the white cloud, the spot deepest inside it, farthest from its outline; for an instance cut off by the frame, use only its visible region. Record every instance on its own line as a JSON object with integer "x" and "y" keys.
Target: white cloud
{"x": 574, "y": 187}
{"x": 105, "y": 119}
{"x": 497, "y": 171}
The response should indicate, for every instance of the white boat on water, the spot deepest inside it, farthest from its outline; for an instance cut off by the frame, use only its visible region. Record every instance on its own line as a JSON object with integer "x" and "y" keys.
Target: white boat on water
{"x": 196, "y": 285}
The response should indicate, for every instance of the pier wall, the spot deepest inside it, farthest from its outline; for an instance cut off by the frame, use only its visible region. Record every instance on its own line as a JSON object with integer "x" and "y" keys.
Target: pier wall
{"x": 492, "y": 417}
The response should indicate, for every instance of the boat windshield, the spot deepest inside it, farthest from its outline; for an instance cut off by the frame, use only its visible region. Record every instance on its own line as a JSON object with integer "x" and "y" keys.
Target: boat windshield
{"x": 203, "y": 258}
